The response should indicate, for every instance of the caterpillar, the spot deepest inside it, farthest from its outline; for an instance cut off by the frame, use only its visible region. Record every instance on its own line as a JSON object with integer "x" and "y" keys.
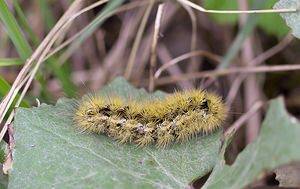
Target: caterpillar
{"x": 177, "y": 117}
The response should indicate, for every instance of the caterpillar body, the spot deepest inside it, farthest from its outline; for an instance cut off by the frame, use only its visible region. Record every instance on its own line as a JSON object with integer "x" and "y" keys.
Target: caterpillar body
{"x": 177, "y": 117}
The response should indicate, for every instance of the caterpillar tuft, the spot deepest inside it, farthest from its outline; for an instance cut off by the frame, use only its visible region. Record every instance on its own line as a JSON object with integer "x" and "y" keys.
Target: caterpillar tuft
{"x": 177, "y": 117}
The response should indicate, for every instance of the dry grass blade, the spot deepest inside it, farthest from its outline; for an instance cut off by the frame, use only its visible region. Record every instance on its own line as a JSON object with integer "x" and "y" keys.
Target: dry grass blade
{"x": 137, "y": 40}
{"x": 234, "y": 70}
{"x": 193, "y": 65}
{"x": 180, "y": 58}
{"x": 38, "y": 57}
{"x": 273, "y": 50}
{"x": 154, "y": 45}
{"x": 11, "y": 116}
{"x": 75, "y": 36}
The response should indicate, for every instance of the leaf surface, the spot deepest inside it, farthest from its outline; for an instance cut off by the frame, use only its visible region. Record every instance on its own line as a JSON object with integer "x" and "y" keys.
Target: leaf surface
{"x": 278, "y": 143}
{"x": 51, "y": 152}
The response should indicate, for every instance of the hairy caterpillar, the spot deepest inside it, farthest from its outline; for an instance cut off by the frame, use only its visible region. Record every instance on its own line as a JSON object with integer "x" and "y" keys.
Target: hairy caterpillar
{"x": 177, "y": 117}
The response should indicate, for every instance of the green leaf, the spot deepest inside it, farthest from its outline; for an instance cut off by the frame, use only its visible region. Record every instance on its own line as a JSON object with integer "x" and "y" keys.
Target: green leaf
{"x": 291, "y": 19}
{"x": 278, "y": 143}
{"x": 51, "y": 152}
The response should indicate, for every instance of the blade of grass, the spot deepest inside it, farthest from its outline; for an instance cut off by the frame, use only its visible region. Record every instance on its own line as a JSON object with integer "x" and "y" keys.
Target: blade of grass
{"x": 16, "y": 35}
{"x": 5, "y": 86}
{"x": 60, "y": 72}
{"x": 14, "y": 31}
{"x": 10, "y": 62}
{"x": 46, "y": 13}
{"x": 23, "y": 22}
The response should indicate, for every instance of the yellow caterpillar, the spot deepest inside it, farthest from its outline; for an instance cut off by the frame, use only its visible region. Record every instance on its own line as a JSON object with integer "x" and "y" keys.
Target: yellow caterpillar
{"x": 177, "y": 117}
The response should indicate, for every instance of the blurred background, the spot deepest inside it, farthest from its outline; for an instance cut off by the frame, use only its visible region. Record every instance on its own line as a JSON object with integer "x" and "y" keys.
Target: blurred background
{"x": 115, "y": 39}
{"x": 106, "y": 52}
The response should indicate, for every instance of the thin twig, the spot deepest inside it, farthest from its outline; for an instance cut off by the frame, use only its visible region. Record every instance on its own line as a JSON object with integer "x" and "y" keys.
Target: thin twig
{"x": 11, "y": 116}
{"x": 201, "y": 9}
{"x": 144, "y": 51}
{"x": 9, "y": 98}
{"x": 154, "y": 46}
{"x": 180, "y": 58}
{"x": 273, "y": 50}
{"x": 165, "y": 56}
{"x": 233, "y": 70}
